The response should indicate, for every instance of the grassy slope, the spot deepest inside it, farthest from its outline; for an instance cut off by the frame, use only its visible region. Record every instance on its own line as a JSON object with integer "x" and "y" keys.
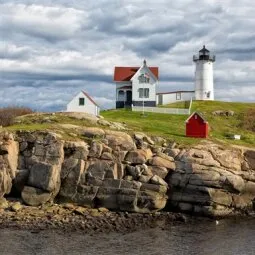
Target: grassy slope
{"x": 166, "y": 125}
{"x": 36, "y": 122}
{"x": 173, "y": 126}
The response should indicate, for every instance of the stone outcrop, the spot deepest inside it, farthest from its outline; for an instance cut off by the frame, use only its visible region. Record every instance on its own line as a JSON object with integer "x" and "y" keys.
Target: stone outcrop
{"x": 108, "y": 171}
{"x": 112, "y": 169}
{"x": 224, "y": 113}
{"x": 213, "y": 181}
{"x": 41, "y": 155}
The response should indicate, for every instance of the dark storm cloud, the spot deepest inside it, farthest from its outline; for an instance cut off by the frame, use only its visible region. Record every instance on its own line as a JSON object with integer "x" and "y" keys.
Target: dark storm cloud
{"x": 25, "y": 75}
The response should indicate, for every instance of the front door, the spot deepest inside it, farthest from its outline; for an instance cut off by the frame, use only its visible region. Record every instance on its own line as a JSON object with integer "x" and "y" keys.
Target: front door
{"x": 160, "y": 99}
{"x": 129, "y": 98}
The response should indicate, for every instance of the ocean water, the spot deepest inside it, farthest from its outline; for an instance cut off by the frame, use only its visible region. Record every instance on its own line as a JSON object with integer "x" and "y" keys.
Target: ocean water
{"x": 199, "y": 237}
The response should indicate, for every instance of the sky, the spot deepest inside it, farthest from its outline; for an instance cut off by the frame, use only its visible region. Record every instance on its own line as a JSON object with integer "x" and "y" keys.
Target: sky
{"x": 50, "y": 50}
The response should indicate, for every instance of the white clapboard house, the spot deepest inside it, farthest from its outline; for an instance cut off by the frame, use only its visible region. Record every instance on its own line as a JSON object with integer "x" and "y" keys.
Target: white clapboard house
{"x": 136, "y": 86}
{"x": 82, "y": 102}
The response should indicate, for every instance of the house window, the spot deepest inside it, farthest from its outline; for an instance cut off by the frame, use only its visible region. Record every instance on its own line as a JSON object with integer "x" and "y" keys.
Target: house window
{"x": 144, "y": 78}
{"x": 121, "y": 95}
{"x": 208, "y": 94}
{"x": 178, "y": 96}
{"x": 143, "y": 93}
{"x": 81, "y": 101}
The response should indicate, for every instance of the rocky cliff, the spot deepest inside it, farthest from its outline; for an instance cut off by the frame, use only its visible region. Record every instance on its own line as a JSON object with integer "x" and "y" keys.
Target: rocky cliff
{"x": 118, "y": 171}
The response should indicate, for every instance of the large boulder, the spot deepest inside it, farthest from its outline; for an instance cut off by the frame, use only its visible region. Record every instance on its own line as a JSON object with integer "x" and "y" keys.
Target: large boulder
{"x": 157, "y": 170}
{"x": 138, "y": 156}
{"x": 162, "y": 162}
{"x": 34, "y": 196}
{"x": 119, "y": 140}
{"x": 44, "y": 176}
{"x": 102, "y": 169}
{"x": 93, "y": 132}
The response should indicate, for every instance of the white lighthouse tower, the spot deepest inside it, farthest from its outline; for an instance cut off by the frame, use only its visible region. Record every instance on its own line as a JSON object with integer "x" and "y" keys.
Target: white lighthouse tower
{"x": 204, "y": 75}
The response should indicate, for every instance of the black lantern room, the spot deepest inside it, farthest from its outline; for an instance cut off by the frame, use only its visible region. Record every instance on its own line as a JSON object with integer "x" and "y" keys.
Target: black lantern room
{"x": 204, "y": 54}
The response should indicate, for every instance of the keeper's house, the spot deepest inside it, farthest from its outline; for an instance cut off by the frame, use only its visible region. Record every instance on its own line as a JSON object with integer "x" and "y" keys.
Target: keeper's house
{"x": 136, "y": 85}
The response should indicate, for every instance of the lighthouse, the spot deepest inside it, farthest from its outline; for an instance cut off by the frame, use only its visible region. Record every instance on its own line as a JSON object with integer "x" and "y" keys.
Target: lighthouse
{"x": 204, "y": 75}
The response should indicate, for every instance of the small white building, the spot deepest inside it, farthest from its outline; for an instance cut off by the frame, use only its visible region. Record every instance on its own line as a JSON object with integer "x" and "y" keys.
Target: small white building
{"x": 136, "y": 86}
{"x": 174, "y": 96}
{"x": 82, "y": 102}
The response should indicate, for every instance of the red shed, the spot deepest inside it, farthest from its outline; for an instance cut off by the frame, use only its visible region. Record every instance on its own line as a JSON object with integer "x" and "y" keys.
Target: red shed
{"x": 197, "y": 126}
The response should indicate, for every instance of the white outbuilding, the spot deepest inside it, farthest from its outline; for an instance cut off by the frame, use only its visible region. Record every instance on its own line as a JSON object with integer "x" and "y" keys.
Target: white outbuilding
{"x": 82, "y": 102}
{"x": 174, "y": 96}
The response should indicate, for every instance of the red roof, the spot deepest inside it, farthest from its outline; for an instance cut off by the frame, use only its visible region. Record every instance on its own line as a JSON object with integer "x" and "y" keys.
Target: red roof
{"x": 173, "y": 92}
{"x": 126, "y": 73}
{"x": 87, "y": 95}
{"x": 198, "y": 114}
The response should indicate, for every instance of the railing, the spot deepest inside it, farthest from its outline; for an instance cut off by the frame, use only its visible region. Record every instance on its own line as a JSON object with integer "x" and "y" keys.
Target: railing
{"x": 160, "y": 110}
{"x": 204, "y": 57}
{"x": 163, "y": 110}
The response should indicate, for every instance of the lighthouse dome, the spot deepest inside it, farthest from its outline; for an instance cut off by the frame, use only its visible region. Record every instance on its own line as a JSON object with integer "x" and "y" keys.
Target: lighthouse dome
{"x": 204, "y": 50}
{"x": 204, "y": 54}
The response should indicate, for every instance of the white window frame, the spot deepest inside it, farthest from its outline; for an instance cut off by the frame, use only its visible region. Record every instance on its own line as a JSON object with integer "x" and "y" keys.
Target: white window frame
{"x": 144, "y": 92}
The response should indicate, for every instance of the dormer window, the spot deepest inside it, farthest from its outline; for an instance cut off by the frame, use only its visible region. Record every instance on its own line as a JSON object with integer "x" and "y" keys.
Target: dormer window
{"x": 144, "y": 78}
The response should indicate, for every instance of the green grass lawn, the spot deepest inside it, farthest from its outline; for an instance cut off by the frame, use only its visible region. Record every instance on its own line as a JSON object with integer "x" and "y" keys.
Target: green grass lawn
{"x": 169, "y": 126}
{"x": 173, "y": 126}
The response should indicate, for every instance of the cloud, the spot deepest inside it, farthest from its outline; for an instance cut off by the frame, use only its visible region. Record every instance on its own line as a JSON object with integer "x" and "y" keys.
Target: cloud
{"x": 49, "y": 50}
{"x": 49, "y": 23}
